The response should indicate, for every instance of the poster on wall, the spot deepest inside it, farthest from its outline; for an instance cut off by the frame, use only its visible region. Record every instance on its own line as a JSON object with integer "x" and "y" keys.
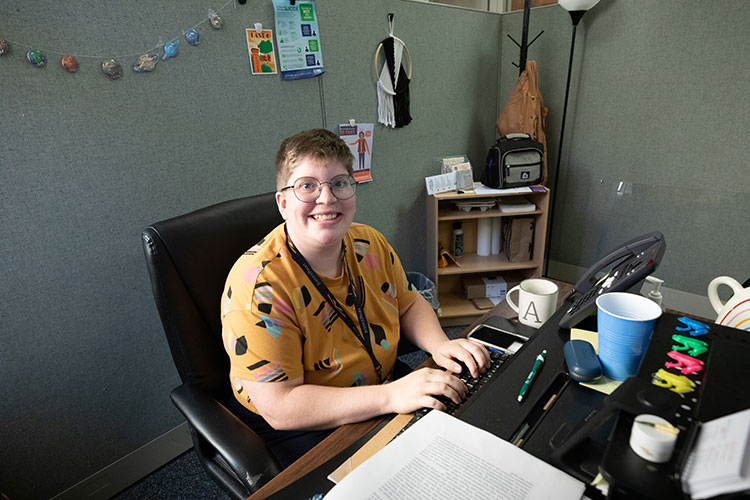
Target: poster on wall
{"x": 359, "y": 138}
{"x": 298, "y": 37}
{"x": 260, "y": 49}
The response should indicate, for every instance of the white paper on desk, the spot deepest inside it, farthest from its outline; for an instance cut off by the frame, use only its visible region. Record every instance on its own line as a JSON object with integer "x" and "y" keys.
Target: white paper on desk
{"x": 480, "y": 188}
{"x": 443, "y": 457}
{"x": 440, "y": 183}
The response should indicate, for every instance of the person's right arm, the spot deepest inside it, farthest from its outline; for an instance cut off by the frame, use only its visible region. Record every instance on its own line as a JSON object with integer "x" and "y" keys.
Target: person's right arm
{"x": 292, "y": 404}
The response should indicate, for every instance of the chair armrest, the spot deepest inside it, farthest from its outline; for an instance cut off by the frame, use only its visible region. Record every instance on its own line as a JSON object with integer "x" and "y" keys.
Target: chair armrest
{"x": 239, "y": 446}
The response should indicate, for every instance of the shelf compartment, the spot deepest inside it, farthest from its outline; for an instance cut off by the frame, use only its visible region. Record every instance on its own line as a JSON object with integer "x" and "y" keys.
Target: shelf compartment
{"x": 455, "y": 214}
{"x": 441, "y": 215}
{"x": 455, "y": 305}
{"x": 473, "y": 263}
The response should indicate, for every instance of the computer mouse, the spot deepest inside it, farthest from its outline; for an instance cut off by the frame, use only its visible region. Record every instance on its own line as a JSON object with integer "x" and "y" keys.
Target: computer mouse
{"x": 583, "y": 363}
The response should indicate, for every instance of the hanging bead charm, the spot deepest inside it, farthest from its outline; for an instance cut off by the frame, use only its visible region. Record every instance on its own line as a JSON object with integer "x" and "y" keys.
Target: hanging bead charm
{"x": 112, "y": 69}
{"x": 216, "y": 21}
{"x": 36, "y": 58}
{"x": 69, "y": 64}
{"x": 171, "y": 49}
{"x": 193, "y": 37}
{"x": 146, "y": 62}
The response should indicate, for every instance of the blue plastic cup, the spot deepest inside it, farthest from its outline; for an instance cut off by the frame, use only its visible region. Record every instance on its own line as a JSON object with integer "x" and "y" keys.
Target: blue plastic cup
{"x": 625, "y": 322}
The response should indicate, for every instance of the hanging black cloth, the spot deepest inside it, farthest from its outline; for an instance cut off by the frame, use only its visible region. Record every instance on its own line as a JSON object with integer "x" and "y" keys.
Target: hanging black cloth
{"x": 400, "y": 86}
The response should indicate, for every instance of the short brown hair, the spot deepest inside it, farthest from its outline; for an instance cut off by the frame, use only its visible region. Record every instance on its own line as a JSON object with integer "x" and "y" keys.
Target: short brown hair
{"x": 317, "y": 144}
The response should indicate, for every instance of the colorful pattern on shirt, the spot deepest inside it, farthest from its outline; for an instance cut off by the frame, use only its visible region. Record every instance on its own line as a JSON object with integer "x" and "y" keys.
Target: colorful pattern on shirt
{"x": 277, "y": 326}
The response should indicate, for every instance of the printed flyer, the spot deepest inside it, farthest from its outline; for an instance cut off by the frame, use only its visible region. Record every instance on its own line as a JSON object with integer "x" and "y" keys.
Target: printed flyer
{"x": 298, "y": 37}
{"x": 359, "y": 138}
{"x": 260, "y": 49}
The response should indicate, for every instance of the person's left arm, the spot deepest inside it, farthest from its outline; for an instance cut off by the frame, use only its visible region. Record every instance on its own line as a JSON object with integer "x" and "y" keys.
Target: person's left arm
{"x": 420, "y": 326}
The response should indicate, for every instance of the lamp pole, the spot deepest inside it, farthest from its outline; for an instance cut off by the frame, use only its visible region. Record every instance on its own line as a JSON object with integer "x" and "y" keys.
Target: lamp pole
{"x": 575, "y": 16}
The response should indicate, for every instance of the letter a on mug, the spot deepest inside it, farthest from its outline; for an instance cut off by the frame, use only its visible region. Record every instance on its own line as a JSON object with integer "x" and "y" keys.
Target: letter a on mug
{"x": 531, "y": 311}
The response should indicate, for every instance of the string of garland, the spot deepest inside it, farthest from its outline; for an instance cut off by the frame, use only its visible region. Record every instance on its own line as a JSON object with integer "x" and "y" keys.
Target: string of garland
{"x": 145, "y": 61}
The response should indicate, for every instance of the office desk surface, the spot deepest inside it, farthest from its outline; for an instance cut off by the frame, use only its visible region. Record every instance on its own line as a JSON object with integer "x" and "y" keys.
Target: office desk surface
{"x": 570, "y": 434}
{"x": 345, "y": 437}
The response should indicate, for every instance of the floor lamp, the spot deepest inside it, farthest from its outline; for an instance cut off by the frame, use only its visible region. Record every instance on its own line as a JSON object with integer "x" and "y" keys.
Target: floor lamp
{"x": 576, "y": 9}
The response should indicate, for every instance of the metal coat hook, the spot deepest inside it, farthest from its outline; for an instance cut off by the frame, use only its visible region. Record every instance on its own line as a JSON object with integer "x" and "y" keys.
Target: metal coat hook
{"x": 527, "y": 45}
{"x": 524, "y": 45}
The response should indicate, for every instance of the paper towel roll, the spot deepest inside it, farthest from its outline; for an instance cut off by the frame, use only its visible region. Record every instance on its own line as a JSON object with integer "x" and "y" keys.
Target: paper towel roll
{"x": 496, "y": 233}
{"x": 484, "y": 236}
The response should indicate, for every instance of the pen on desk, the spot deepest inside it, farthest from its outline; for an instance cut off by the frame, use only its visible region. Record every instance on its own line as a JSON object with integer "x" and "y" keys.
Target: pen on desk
{"x": 517, "y": 438}
{"x": 534, "y": 369}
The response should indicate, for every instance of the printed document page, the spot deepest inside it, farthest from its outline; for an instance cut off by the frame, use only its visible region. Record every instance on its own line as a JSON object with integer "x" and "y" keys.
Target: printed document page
{"x": 719, "y": 462}
{"x": 443, "y": 457}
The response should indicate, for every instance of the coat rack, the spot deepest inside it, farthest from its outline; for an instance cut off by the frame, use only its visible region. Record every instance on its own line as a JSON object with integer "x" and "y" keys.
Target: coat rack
{"x": 525, "y": 44}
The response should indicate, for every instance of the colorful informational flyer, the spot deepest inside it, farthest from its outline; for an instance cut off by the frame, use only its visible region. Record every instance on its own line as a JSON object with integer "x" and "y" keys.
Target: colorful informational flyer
{"x": 298, "y": 37}
{"x": 359, "y": 138}
{"x": 260, "y": 48}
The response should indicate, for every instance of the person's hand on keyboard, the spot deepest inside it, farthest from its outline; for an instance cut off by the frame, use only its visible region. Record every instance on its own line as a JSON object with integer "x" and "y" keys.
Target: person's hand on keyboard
{"x": 452, "y": 354}
{"x": 425, "y": 388}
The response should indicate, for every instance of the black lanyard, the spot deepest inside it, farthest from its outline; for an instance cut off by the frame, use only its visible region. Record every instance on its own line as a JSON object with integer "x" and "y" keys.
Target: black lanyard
{"x": 364, "y": 335}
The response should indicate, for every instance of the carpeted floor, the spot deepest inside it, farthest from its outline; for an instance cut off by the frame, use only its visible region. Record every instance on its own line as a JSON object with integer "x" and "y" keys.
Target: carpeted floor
{"x": 181, "y": 479}
{"x": 184, "y": 478}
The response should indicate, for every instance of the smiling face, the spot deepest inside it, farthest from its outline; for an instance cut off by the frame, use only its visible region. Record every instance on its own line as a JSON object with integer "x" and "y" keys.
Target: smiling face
{"x": 316, "y": 227}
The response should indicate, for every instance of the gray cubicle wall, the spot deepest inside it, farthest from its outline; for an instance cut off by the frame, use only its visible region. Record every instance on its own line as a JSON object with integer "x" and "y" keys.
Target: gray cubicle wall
{"x": 658, "y": 102}
{"x": 86, "y": 163}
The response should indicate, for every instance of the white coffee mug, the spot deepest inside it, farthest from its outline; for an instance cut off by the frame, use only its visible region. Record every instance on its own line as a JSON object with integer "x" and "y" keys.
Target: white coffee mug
{"x": 537, "y": 301}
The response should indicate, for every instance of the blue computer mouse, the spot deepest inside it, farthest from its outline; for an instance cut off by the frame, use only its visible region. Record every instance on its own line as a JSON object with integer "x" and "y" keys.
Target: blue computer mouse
{"x": 583, "y": 363}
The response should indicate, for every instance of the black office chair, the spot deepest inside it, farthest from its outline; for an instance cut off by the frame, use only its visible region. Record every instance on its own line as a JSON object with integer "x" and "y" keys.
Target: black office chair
{"x": 188, "y": 259}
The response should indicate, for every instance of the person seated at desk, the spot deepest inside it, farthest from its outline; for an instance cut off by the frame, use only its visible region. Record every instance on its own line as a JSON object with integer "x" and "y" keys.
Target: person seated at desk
{"x": 312, "y": 314}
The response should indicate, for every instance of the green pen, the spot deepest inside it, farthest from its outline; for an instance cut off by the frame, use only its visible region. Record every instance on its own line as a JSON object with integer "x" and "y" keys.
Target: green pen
{"x": 534, "y": 369}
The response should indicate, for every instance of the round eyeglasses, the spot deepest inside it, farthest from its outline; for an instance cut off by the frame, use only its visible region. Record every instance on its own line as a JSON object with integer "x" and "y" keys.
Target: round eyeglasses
{"x": 308, "y": 189}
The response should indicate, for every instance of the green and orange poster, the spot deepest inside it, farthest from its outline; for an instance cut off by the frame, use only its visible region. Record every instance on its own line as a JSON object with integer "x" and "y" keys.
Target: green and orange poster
{"x": 260, "y": 48}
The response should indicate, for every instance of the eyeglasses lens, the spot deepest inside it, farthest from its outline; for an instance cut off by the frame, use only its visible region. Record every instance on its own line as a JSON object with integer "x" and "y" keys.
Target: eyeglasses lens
{"x": 308, "y": 188}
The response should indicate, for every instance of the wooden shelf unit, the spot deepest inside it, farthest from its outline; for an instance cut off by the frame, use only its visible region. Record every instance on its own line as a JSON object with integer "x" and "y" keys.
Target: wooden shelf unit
{"x": 442, "y": 213}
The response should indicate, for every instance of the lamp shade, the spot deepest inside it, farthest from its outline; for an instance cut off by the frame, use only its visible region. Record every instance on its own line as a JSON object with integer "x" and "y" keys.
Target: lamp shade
{"x": 573, "y": 5}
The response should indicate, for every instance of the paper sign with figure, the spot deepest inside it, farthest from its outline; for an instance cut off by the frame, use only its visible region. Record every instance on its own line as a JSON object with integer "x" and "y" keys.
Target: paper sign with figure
{"x": 359, "y": 138}
{"x": 260, "y": 48}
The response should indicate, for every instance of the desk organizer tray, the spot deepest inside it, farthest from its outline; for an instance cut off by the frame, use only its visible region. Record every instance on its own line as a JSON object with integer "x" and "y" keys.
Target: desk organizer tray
{"x": 482, "y": 205}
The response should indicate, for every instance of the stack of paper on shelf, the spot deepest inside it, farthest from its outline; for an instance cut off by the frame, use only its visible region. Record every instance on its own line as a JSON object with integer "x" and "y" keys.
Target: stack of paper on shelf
{"x": 515, "y": 205}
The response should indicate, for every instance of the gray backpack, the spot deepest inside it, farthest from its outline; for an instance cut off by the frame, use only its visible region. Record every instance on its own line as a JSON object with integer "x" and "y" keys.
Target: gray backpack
{"x": 515, "y": 160}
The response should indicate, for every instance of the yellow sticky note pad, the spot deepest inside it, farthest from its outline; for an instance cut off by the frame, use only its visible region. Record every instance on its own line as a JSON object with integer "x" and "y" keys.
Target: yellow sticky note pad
{"x": 590, "y": 337}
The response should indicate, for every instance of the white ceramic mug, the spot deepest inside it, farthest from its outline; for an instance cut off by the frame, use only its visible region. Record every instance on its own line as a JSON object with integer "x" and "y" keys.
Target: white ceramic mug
{"x": 537, "y": 301}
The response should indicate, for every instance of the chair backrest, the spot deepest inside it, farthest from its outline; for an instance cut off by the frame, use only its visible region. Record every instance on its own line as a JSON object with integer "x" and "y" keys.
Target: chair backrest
{"x": 188, "y": 259}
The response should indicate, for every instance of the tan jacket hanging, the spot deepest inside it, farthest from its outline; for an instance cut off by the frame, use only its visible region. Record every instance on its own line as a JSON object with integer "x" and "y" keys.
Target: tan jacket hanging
{"x": 525, "y": 112}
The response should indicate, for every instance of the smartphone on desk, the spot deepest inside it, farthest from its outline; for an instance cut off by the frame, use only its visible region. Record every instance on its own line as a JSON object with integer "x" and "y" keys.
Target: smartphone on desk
{"x": 497, "y": 339}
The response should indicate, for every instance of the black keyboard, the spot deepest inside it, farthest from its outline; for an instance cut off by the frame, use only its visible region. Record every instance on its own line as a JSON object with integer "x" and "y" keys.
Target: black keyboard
{"x": 473, "y": 384}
